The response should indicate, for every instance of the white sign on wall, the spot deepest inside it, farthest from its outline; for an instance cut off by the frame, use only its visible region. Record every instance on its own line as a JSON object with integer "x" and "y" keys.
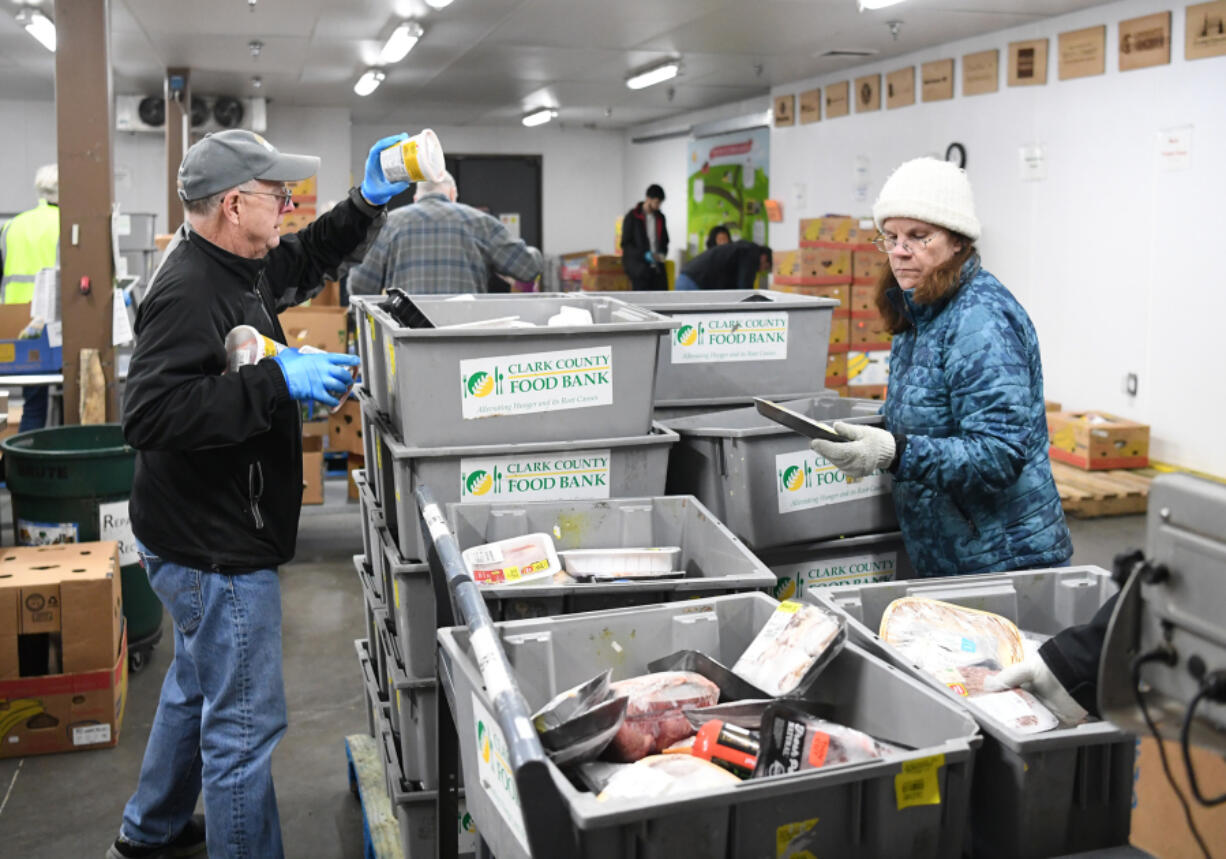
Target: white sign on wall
{"x": 1175, "y": 148}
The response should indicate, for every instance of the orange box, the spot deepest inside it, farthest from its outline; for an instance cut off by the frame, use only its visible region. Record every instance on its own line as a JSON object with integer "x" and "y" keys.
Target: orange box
{"x": 604, "y": 263}
{"x": 870, "y": 335}
{"x": 826, "y": 261}
{"x": 866, "y": 392}
{"x": 867, "y": 266}
{"x": 1097, "y": 440}
{"x": 785, "y": 263}
{"x": 312, "y": 469}
{"x": 321, "y": 327}
{"x": 839, "y": 229}
{"x": 864, "y": 302}
{"x": 841, "y": 390}
{"x": 840, "y": 337}
{"x": 836, "y": 370}
{"x": 345, "y": 428}
{"x": 605, "y": 281}
{"x": 356, "y": 461}
{"x": 1051, "y": 406}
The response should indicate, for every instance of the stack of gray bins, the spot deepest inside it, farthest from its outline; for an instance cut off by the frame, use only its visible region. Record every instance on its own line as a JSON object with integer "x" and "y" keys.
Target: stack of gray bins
{"x": 137, "y": 250}
{"x": 484, "y": 401}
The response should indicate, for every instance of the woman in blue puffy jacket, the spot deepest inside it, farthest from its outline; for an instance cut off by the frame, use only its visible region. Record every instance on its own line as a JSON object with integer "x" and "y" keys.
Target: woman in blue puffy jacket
{"x": 965, "y": 431}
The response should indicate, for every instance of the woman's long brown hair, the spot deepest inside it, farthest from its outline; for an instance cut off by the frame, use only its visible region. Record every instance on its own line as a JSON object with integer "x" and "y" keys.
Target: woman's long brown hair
{"x": 941, "y": 284}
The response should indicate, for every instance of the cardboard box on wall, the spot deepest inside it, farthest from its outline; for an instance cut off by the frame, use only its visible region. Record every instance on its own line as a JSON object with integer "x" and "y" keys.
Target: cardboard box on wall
{"x": 864, "y": 302}
{"x": 312, "y": 470}
{"x": 836, "y": 370}
{"x": 321, "y": 327}
{"x": 356, "y": 462}
{"x": 785, "y": 263}
{"x": 870, "y": 369}
{"x": 824, "y": 262}
{"x": 65, "y": 686}
{"x": 1157, "y": 819}
{"x": 345, "y": 428}
{"x": 868, "y": 266}
{"x": 870, "y": 335}
{"x": 866, "y": 392}
{"x": 1097, "y": 440}
{"x": 605, "y": 282}
{"x": 840, "y": 336}
{"x": 840, "y": 292}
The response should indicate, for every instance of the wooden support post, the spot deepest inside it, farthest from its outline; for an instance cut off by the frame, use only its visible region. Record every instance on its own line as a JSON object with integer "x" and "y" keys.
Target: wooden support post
{"x": 84, "y": 132}
{"x": 178, "y": 93}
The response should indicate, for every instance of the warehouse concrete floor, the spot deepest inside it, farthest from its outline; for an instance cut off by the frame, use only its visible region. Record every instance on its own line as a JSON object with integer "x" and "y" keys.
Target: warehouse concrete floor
{"x": 68, "y": 806}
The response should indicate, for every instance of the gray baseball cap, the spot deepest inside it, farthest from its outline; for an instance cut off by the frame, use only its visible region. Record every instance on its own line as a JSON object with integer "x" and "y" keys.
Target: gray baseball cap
{"x": 226, "y": 159}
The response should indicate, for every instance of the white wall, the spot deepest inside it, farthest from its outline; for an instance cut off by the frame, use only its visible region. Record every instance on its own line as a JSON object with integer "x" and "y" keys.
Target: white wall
{"x": 581, "y": 174}
{"x": 321, "y": 131}
{"x": 1111, "y": 255}
{"x": 27, "y": 144}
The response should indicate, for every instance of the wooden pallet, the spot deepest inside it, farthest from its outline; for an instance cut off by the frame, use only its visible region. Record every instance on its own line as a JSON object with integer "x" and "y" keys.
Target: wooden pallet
{"x": 1089, "y": 494}
{"x": 380, "y": 829}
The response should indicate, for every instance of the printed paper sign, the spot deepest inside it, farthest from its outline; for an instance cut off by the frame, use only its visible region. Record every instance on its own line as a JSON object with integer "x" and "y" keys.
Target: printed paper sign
{"x": 494, "y": 771}
{"x": 851, "y": 570}
{"x": 543, "y": 477}
{"x": 805, "y": 480}
{"x": 536, "y": 382}
{"x": 114, "y": 523}
{"x": 719, "y": 337}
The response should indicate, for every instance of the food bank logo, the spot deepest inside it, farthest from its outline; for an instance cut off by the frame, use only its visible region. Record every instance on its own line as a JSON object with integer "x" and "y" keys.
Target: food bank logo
{"x": 479, "y": 482}
{"x": 483, "y": 741}
{"x": 793, "y": 478}
{"x": 687, "y": 335}
{"x": 480, "y": 384}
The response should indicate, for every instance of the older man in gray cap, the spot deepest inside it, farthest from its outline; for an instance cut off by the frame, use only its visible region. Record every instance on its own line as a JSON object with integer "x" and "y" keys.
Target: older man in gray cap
{"x": 218, "y": 485}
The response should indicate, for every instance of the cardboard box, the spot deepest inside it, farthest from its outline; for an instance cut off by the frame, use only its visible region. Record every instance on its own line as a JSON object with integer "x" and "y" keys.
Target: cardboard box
{"x": 1157, "y": 819}
{"x": 864, "y": 302}
{"x": 1051, "y": 406}
{"x": 837, "y": 229}
{"x": 304, "y": 190}
{"x": 865, "y": 368}
{"x": 786, "y": 263}
{"x": 321, "y": 327}
{"x": 345, "y": 428}
{"x": 836, "y": 370}
{"x": 312, "y": 470}
{"x": 840, "y": 335}
{"x": 605, "y": 282}
{"x": 824, "y": 262}
{"x": 1097, "y": 440}
{"x": 604, "y": 263}
{"x": 841, "y": 390}
{"x": 317, "y": 427}
{"x": 356, "y": 463}
{"x": 25, "y": 356}
{"x": 841, "y": 292}
{"x": 329, "y": 296}
{"x": 866, "y": 392}
{"x": 870, "y": 335}
{"x": 294, "y": 221}
{"x": 868, "y": 266}
{"x": 63, "y": 650}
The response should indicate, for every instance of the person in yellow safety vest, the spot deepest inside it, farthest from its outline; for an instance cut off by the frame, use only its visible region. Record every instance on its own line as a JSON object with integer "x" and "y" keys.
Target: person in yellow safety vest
{"x": 28, "y": 244}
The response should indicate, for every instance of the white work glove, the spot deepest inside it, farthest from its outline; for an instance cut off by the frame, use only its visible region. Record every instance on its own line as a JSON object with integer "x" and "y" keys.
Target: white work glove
{"x": 1033, "y": 674}
{"x": 870, "y": 449}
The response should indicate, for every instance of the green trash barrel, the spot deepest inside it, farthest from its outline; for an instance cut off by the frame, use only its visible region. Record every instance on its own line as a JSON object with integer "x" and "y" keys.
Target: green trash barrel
{"x": 71, "y": 484}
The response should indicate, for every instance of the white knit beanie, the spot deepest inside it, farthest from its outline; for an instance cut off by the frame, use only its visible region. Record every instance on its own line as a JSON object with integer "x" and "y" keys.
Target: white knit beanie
{"x": 932, "y": 191}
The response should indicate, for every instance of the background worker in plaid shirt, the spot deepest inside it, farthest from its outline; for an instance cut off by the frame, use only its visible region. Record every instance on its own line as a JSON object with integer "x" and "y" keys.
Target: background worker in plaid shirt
{"x": 439, "y": 245}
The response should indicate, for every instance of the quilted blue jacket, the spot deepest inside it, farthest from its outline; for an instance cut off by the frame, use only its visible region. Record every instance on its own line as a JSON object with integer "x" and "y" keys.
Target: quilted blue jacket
{"x": 973, "y": 489}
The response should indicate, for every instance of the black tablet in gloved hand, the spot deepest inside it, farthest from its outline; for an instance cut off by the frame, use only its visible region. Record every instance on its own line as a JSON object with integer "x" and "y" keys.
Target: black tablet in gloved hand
{"x": 806, "y": 426}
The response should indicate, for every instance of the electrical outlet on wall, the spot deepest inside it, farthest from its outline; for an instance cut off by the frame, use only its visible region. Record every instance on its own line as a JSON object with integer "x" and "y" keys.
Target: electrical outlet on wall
{"x": 1130, "y": 384}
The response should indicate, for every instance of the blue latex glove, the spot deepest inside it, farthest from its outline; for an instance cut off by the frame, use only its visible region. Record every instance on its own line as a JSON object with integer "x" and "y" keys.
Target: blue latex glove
{"x": 650, "y": 257}
{"x": 316, "y": 375}
{"x": 375, "y": 188}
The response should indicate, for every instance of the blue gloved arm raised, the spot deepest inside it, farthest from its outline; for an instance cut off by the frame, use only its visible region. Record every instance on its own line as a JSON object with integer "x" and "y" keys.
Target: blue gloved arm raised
{"x": 316, "y": 375}
{"x": 375, "y": 187}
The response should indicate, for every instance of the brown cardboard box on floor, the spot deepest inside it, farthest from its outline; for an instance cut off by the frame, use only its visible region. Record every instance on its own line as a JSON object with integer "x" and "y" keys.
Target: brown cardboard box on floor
{"x": 605, "y": 282}
{"x": 1158, "y": 824}
{"x": 867, "y": 266}
{"x": 1052, "y": 406}
{"x": 866, "y": 392}
{"x": 604, "y": 264}
{"x": 836, "y": 370}
{"x": 786, "y": 263}
{"x": 321, "y": 327}
{"x": 345, "y": 428}
{"x": 356, "y": 462}
{"x": 312, "y": 469}
{"x": 829, "y": 260}
{"x": 840, "y": 336}
{"x": 66, "y": 686}
{"x": 1097, "y": 440}
{"x": 840, "y": 292}
{"x": 864, "y": 302}
{"x": 870, "y": 335}
{"x": 329, "y": 296}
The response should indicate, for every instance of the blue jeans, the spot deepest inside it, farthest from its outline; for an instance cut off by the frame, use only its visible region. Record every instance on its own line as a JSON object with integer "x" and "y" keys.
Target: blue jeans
{"x": 221, "y": 714}
{"x": 684, "y": 281}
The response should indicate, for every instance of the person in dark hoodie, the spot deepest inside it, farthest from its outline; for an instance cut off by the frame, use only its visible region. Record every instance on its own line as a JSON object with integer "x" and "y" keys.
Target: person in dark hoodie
{"x": 218, "y": 484}
{"x": 645, "y": 242}
{"x": 733, "y": 265}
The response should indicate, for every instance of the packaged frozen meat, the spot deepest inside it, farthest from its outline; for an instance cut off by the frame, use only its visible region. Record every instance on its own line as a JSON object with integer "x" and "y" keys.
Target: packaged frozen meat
{"x": 1016, "y": 709}
{"x": 654, "y": 716}
{"x": 665, "y": 775}
{"x": 796, "y": 643}
{"x": 793, "y": 740}
{"x": 731, "y": 687}
{"x": 585, "y": 736}
{"x": 747, "y": 713}
{"x": 566, "y": 705}
{"x": 530, "y": 558}
{"x": 936, "y": 635}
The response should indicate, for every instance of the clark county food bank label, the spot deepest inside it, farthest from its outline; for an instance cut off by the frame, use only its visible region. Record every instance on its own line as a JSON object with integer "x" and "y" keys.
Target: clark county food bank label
{"x": 494, "y": 771}
{"x": 804, "y": 480}
{"x": 705, "y": 338}
{"x": 849, "y": 570}
{"x": 536, "y": 382}
{"x": 580, "y": 474}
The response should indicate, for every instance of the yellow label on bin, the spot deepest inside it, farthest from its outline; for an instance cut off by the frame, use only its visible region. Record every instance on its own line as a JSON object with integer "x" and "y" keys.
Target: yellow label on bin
{"x": 787, "y": 834}
{"x": 789, "y": 607}
{"x": 8, "y": 353}
{"x": 918, "y": 784}
{"x": 396, "y": 595}
{"x": 391, "y": 357}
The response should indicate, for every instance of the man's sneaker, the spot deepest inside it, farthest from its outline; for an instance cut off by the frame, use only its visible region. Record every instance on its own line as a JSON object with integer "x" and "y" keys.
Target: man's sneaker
{"x": 189, "y": 842}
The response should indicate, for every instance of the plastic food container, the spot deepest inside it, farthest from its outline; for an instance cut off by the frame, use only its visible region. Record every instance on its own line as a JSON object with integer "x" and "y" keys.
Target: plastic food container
{"x": 418, "y": 159}
{"x": 515, "y": 561}
{"x": 646, "y": 562}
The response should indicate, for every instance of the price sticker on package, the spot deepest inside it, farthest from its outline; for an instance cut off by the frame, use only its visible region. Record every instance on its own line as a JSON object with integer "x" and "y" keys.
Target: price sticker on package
{"x": 919, "y": 783}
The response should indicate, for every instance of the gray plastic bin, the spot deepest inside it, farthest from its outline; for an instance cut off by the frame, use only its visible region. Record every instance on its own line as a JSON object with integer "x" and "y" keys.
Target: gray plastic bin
{"x": 454, "y": 386}
{"x": 371, "y": 350}
{"x": 731, "y": 341}
{"x": 370, "y": 447}
{"x": 414, "y": 717}
{"x": 717, "y": 562}
{"x": 847, "y": 561}
{"x": 762, "y": 480}
{"x": 632, "y": 466}
{"x": 666, "y": 412}
{"x": 371, "y": 603}
{"x": 1063, "y": 791}
{"x": 372, "y": 519}
{"x": 849, "y": 811}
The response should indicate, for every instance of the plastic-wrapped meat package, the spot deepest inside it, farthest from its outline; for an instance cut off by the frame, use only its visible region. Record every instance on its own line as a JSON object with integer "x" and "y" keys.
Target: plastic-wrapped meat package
{"x": 793, "y": 741}
{"x": 654, "y": 717}
{"x": 1016, "y": 709}
{"x": 788, "y": 653}
{"x": 936, "y": 635}
{"x": 666, "y": 775}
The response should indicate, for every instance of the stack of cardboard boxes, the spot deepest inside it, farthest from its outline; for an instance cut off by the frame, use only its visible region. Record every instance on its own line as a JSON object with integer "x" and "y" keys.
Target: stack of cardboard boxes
{"x": 605, "y": 274}
{"x": 304, "y": 206}
{"x": 837, "y": 259}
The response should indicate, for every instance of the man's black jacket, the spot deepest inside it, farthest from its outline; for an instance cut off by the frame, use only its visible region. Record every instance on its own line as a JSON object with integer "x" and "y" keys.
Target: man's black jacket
{"x": 635, "y": 244}
{"x": 733, "y": 265}
{"x": 218, "y": 483}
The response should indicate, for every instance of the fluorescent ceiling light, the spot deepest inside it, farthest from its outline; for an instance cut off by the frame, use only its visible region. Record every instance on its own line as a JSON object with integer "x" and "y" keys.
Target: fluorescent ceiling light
{"x": 369, "y": 82}
{"x": 39, "y": 26}
{"x": 400, "y": 42}
{"x": 877, "y": 4}
{"x": 539, "y": 117}
{"x": 438, "y": 4}
{"x": 654, "y": 75}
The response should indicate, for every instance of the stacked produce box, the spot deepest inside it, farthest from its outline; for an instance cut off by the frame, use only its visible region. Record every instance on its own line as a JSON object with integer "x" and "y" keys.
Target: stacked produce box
{"x": 837, "y": 259}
